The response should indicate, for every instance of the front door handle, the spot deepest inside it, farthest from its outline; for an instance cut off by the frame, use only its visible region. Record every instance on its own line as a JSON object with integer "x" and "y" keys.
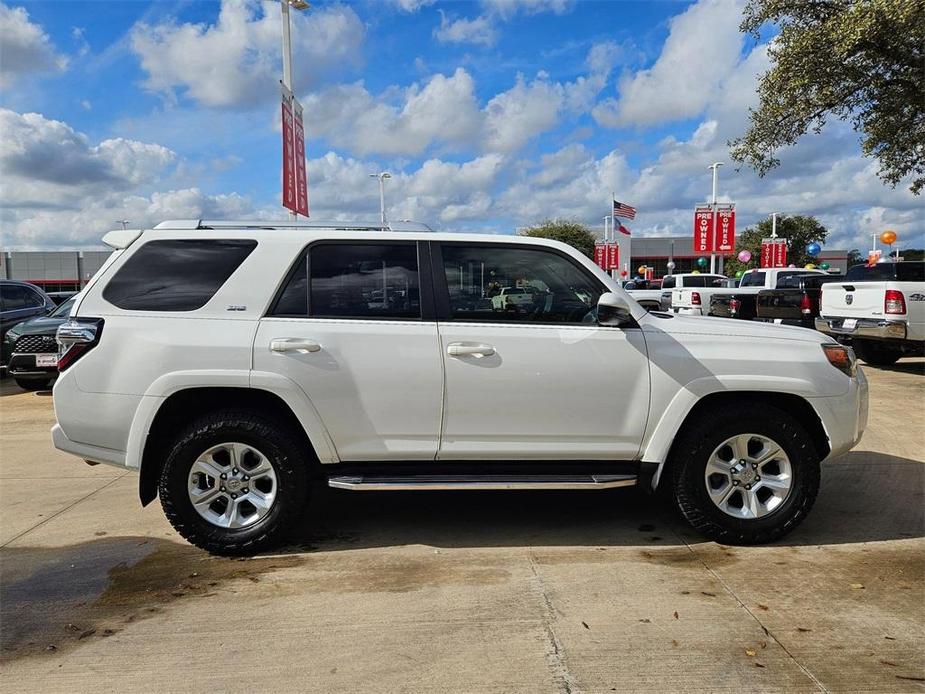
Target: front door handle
{"x": 294, "y": 344}
{"x": 469, "y": 349}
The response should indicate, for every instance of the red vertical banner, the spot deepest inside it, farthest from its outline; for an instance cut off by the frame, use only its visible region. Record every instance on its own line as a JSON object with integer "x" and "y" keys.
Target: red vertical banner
{"x": 289, "y": 170}
{"x": 773, "y": 253}
{"x": 613, "y": 256}
{"x": 767, "y": 253}
{"x": 600, "y": 255}
{"x": 780, "y": 253}
{"x": 703, "y": 230}
{"x": 725, "y": 230}
{"x": 301, "y": 187}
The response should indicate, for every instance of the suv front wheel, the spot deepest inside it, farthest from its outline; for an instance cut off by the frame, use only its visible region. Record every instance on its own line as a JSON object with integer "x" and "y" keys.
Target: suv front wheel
{"x": 234, "y": 482}
{"x": 746, "y": 474}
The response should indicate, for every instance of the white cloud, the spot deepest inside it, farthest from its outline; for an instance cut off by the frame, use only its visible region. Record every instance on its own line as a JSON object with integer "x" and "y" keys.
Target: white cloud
{"x": 508, "y": 9}
{"x": 237, "y": 60}
{"x": 524, "y": 111}
{"x": 479, "y": 31}
{"x": 701, "y": 51}
{"x": 412, "y": 5}
{"x": 25, "y": 48}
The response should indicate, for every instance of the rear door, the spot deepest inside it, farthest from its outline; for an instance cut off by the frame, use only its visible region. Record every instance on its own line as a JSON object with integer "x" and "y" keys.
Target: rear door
{"x": 351, "y": 328}
{"x": 542, "y": 381}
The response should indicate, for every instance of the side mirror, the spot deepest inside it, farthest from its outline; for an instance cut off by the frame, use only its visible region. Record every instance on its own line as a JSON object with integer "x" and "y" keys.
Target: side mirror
{"x": 613, "y": 311}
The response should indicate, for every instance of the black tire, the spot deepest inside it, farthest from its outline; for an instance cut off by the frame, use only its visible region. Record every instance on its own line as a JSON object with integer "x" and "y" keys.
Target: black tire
{"x": 691, "y": 452}
{"x": 282, "y": 447}
{"x": 876, "y": 353}
{"x": 33, "y": 383}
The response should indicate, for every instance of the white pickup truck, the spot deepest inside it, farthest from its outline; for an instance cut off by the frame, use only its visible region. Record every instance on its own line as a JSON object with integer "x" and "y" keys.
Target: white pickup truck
{"x": 880, "y": 308}
{"x": 647, "y": 293}
{"x": 688, "y": 293}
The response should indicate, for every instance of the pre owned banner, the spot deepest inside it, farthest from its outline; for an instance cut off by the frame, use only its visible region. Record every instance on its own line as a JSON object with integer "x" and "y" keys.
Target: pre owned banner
{"x": 703, "y": 230}
{"x": 725, "y": 230}
{"x": 600, "y": 255}
{"x": 301, "y": 186}
{"x": 613, "y": 257}
{"x": 289, "y": 164}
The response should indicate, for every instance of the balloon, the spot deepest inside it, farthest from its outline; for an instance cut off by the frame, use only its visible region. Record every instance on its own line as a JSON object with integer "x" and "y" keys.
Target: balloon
{"x": 745, "y": 256}
{"x": 670, "y": 265}
{"x": 791, "y": 265}
{"x": 696, "y": 272}
{"x": 739, "y": 274}
{"x": 888, "y": 237}
{"x": 641, "y": 269}
{"x": 810, "y": 266}
{"x": 702, "y": 262}
{"x": 824, "y": 266}
{"x": 623, "y": 273}
{"x": 813, "y": 248}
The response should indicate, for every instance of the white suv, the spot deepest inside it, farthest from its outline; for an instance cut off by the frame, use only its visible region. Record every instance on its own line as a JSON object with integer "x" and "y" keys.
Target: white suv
{"x": 230, "y": 363}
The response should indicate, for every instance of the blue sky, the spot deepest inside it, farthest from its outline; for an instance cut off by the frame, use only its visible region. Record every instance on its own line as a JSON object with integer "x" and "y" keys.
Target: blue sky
{"x": 491, "y": 115}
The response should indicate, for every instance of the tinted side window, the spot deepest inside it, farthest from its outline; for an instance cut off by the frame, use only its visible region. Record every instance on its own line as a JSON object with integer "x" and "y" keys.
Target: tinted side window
{"x": 16, "y": 297}
{"x": 910, "y": 272}
{"x": 32, "y": 299}
{"x": 504, "y": 284}
{"x": 176, "y": 275}
{"x": 752, "y": 279}
{"x": 358, "y": 280}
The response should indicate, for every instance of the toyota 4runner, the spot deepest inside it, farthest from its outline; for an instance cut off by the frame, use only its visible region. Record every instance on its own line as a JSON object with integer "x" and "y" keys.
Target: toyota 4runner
{"x": 230, "y": 364}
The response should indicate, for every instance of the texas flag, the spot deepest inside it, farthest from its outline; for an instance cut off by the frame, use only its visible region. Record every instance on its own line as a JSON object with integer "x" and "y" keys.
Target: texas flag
{"x": 624, "y": 230}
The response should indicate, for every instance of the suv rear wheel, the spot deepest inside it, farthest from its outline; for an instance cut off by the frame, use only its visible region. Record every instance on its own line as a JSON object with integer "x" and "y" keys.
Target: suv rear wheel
{"x": 234, "y": 482}
{"x": 745, "y": 474}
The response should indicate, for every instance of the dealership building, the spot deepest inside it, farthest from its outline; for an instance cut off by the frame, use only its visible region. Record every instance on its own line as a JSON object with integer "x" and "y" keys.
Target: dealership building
{"x": 70, "y": 270}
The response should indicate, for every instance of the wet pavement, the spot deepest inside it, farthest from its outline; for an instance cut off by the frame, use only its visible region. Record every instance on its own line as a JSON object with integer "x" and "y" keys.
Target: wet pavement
{"x": 494, "y": 591}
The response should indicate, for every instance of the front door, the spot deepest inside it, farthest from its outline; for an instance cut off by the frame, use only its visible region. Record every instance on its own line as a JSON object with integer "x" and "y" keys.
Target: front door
{"x": 349, "y": 329}
{"x": 534, "y": 377}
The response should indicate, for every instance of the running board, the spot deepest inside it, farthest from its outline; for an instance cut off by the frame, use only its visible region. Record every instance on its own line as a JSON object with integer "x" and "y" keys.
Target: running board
{"x": 478, "y": 482}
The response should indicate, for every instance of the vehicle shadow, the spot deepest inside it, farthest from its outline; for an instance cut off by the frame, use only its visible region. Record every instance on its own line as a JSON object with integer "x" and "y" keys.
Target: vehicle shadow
{"x": 865, "y": 496}
{"x": 911, "y": 366}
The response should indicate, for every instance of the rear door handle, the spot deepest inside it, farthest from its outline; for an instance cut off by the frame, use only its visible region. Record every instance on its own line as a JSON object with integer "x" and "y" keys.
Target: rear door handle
{"x": 469, "y": 349}
{"x": 294, "y": 344}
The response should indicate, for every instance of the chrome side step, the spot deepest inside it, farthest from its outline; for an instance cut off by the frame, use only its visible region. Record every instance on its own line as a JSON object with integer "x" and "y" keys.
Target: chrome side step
{"x": 478, "y": 482}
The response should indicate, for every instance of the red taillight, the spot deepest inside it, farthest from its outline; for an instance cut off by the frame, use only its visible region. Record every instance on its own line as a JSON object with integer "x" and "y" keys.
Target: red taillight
{"x": 894, "y": 301}
{"x": 695, "y": 298}
{"x": 806, "y": 305}
{"x": 77, "y": 337}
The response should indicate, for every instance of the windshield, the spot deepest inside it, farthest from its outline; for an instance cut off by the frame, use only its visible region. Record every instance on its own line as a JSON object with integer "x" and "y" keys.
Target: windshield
{"x": 63, "y": 310}
{"x": 902, "y": 272}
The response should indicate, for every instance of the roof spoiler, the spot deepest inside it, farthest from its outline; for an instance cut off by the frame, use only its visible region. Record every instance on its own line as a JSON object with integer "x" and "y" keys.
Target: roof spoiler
{"x": 121, "y": 238}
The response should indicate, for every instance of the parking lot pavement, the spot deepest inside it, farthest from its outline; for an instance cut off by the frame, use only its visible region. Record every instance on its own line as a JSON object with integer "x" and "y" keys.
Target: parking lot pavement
{"x": 544, "y": 591}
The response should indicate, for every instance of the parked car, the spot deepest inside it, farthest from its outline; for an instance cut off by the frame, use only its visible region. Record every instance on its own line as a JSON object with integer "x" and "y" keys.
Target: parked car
{"x": 512, "y": 298}
{"x": 795, "y": 301}
{"x": 742, "y": 303}
{"x": 20, "y": 301}
{"x": 691, "y": 293}
{"x": 33, "y": 349}
{"x": 881, "y": 309}
{"x": 230, "y": 363}
{"x": 647, "y": 293}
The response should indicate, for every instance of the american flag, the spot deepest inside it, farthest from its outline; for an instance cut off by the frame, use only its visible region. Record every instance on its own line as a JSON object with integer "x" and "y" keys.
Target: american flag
{"x": 621, "y": 210}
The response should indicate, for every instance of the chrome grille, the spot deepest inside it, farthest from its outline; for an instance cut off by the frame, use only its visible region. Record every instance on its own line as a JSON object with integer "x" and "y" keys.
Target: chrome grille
{"x": 35, "y": 344}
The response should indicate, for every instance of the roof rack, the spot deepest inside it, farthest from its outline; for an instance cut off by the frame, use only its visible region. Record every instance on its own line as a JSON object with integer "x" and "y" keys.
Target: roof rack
{"x": 190, "y": 224}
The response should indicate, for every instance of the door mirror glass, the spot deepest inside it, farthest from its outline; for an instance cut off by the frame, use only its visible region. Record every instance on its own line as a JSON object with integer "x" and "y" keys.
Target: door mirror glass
{"x": 613, "y": 310}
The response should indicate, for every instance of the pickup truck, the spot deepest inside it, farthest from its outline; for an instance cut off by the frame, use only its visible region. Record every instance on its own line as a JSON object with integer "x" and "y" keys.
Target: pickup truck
{"x": 674, "y": 286}
{"x": 647, "y": 293}
{"x": 795, "y": 301}
{"x": 742, "y": 302}
{"x": 880, "y": 308}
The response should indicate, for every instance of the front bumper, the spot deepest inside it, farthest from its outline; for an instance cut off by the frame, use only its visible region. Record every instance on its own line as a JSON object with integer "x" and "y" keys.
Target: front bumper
{"x": 868, "y": 328}
{"x": 23, "y": 364}
{"x": 844, "y": 417}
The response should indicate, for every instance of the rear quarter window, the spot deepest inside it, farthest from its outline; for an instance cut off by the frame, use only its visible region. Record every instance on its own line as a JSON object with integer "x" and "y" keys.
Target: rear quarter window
{"x": 176, "y": 275}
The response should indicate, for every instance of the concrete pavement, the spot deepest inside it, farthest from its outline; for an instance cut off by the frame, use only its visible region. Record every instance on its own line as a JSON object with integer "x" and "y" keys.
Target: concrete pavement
{"x": 467, "y": 592}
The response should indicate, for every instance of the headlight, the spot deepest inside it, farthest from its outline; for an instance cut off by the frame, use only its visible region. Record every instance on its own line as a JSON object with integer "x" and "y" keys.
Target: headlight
{"x": 841, "y": 357}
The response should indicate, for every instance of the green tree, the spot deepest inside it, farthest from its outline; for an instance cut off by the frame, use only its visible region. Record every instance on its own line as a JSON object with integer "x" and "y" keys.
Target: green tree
{"x": 799, "y": 231}
{"x": 573, "y": 233}
{"x": 858, "y": 60}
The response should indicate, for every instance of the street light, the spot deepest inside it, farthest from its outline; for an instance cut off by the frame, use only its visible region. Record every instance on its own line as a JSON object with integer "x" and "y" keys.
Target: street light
{"x": 123, "y": 222}
{"x": 715, "y": 166}
{"x": 382, "y": 175}
{"x": 287, "y": 48}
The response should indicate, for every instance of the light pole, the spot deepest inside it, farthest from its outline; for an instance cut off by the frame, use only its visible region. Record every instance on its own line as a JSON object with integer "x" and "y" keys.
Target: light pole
{"x": 123, "y": 222}
{"x": 287, "y": 48}
{"x": 715, "y": 166}
{"x": 774, "y": 224}
{"x": 382, "y": 175}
